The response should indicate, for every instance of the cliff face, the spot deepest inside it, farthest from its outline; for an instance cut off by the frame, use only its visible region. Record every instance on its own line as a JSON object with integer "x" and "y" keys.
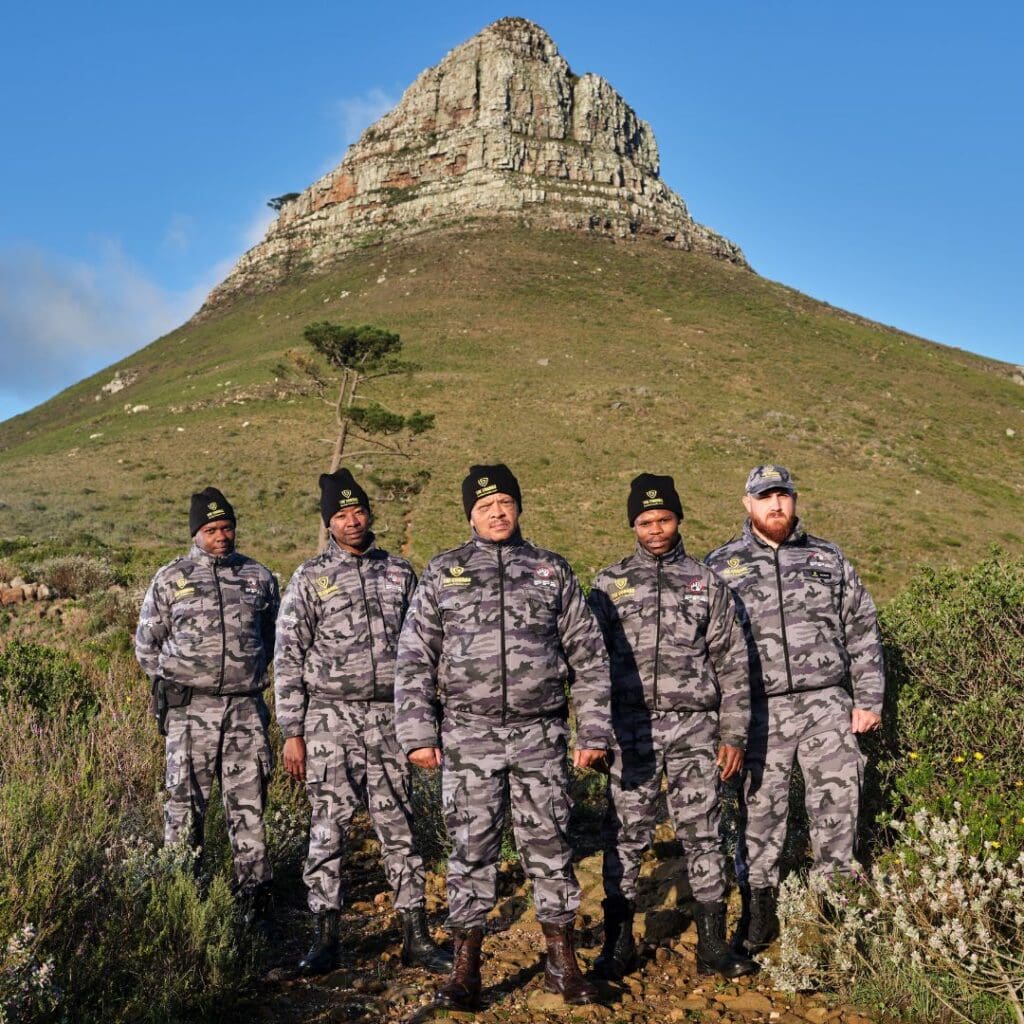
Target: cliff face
{"x": 500, "y": 128}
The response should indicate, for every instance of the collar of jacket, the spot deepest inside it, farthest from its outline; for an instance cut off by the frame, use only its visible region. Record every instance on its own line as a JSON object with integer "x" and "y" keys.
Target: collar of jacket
{"x": 335, "y": 550}
{"x": 197, "y": 554}
{"x": 676, "y": 553}
{"x": 797, "y": 536}
{"x": 515, "y": 541}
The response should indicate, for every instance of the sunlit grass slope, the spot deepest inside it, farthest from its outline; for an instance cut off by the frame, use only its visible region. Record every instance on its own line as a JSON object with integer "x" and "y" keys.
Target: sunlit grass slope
{"x": 579, "y": 362}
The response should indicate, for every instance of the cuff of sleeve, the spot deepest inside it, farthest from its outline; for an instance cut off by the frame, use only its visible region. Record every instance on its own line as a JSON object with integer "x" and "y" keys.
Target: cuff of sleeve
{"x": 293, "y": 729}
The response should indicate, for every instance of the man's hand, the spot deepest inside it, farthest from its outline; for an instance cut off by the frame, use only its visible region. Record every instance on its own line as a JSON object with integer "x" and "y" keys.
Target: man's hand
{"x": 729, "y": 760}
{"x": 584, "y": 757}
{"x": 295, "y": 758}
{"x": 865, "y": 721}
{"x": 426, "y": 757}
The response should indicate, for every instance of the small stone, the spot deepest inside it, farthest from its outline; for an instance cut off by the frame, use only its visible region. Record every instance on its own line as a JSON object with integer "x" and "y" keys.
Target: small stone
{"x": 543, "y": 1001}
{"x": 816, "y": 1014}
{"x": 747, "y": 1002}
{"x": 543, "y": 362}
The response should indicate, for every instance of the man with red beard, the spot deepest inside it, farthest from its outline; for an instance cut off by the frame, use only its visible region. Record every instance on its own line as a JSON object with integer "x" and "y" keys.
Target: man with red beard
{"x": 817, "y": 682}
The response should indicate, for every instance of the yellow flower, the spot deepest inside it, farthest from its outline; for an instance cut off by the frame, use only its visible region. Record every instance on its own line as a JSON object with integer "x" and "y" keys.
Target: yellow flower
{"x": 913, "y": 755}
{"x": 979, "y": 756}
{"x": 1018, "y": 783}
{"x": 994, "y": 844}
{"x": 959, "y": 759}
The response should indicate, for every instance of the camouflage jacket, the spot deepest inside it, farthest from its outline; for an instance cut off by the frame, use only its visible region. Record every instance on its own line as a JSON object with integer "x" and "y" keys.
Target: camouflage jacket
{"x": 670, "y": 627}
{"x": 338, "y": 631}
{"x": 208, "y": 623}
{"x": 809, "y": 621}
{"x": 495, "y": 630}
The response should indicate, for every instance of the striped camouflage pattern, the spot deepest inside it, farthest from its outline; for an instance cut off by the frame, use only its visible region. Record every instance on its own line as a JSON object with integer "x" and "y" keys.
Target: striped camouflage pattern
{"x": 673, "y": 638}
{"x": 220, "y": 738}
{"x": 812, "y": 729}
{"x": 494, "y": 630}
{"x": 353, "y": 760}
{"x": 811, "y": 622}
{"x": 681, "y": 747}
{"x": 481, "y": 757}
{"x": 337, "y": 634}
{"x": 208, "y": 623}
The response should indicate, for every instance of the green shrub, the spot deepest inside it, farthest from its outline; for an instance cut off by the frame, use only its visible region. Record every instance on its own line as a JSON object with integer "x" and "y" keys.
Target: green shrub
{"x": 75, "y": 575}
{"x": 954, "y": 645}
{"x": 47, "y": 679}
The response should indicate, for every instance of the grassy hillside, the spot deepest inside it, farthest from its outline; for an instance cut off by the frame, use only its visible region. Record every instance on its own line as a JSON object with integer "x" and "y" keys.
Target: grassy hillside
{"x": 577, "y": 361}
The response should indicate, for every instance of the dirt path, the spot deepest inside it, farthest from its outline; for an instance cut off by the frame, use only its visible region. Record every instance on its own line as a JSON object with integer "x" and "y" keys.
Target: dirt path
{"x": 371, "y": 985}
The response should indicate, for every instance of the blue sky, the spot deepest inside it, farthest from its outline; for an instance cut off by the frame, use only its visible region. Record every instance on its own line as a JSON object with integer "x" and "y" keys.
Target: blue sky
{"x": 868, "y": 154}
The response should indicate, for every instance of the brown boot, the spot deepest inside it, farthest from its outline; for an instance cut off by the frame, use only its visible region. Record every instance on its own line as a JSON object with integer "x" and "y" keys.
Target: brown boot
{"x": 561, "y": 971}
{"x": 462, "y": 989}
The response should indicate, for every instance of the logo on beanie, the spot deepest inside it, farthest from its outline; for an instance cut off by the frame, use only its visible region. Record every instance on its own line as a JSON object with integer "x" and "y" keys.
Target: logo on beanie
{"x": 455, "y": 577}
{"x": 653, "y": 498}
{"x": 324, "y": 587}
{"x": 621, "y": 589}
{"x": 347, "y": 499}
{"x": 484, "y": 486}
{"x": 734, "y": 570}
{"x": 652, "y": 494}
{"x": 215, "y": 512}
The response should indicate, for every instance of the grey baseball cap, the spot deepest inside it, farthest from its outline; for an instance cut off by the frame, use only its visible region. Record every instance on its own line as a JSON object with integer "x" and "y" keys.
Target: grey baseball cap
{"x": 762, "y": 479}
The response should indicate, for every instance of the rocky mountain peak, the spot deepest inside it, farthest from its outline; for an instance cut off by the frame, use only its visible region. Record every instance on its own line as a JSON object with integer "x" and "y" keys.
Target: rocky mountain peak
{"x": 501, "y": 127}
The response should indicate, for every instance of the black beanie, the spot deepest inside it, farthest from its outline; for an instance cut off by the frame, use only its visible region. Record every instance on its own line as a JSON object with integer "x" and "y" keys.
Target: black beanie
{"x": 484, "y": 480}
{"x": 649, "y": 491}
{"x": 208, "y": 506}
{"x": 339, "y": 490}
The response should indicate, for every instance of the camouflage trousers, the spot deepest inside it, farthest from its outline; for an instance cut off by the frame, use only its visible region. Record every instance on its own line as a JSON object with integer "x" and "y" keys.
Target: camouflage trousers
{"x": 352, "y": 761}
{"x": 681, "y": 746}
{"x": 813, "y": 730}
{"x": 220, "y": 738}
{"x": 480, "y": 758}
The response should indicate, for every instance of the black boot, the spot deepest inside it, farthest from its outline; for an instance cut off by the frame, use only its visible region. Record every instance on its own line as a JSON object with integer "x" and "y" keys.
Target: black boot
{"x": 462, "y": 989}
{"x": 713, "y": 952}
{"x": 618, "y": 955}
{"x": 764, "y": 919}
{"x": 562, "y": 972}
{"x": 322, "y": 956}
{"x": 418, "y": 948}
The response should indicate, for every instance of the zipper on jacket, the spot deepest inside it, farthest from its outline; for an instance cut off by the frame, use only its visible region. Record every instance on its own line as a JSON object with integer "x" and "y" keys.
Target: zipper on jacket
{"x": 223, "y": 629}
{"x": 501, "y": 636}
{"x": 782, "y": 621}
{"x": 369, "y": 624}
{"x": 657, "y": 637}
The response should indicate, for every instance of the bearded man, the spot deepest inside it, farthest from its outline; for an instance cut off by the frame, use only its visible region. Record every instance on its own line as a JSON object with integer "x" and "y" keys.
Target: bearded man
{"x": 817, "y": 683}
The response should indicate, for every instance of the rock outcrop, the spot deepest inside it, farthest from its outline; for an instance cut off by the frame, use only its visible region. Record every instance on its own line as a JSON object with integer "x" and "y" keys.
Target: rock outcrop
{"x": 500, "y": 128}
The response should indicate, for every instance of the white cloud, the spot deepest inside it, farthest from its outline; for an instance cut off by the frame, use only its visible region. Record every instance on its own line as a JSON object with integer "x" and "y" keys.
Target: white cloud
{"x": 62, "y": 320}
{"x": 178, "y": 233}
{"x": 357, "y": 113}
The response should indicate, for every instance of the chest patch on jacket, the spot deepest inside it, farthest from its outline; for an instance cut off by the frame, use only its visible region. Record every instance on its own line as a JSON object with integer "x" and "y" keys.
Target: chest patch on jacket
{"x": 393, "y": 580}
{"x": 456, "y": 577}
{"x": 734, "y": 570}
{"x": 818, "y": 574}
{"x": 325, "y": 587}
{"x": 543, "y": 576}
{"x": 182, "y": 588}
{"x": 621, "y": 589}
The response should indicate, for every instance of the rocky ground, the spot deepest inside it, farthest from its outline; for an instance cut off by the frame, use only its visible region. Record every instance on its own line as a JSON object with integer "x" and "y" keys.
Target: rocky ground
{"x": 371, "y": 985}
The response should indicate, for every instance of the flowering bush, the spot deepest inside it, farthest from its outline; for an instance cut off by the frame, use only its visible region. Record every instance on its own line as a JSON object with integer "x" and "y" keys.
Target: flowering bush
{"x": 27, "y": 984}
{"x": 953, "y": 917}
